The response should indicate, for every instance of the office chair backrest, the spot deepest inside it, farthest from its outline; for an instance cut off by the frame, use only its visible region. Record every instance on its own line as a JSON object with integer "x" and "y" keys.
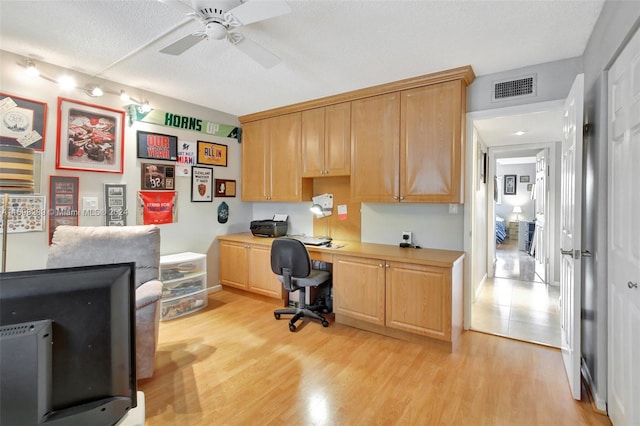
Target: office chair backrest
{"x": 290, "y": 258}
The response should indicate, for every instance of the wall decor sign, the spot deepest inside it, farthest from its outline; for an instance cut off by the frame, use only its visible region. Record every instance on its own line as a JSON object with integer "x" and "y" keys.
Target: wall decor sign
{"x": 63, "y": 202}
{"x": 90, "y": 137}
{"x": 25, "y": 213}
{"x": 23, "y": 122}
{"x": 225, "y": 188}
{"x": 157, "y": 176}
{"x": 201, "y": 184}
{"x": 509, "y": 184}
{"x": 115, "y": 202}
{"x": 524, "y": 179}
{"x": 156, "y": 146}
{"x": 186, "y": 158}
{"x": 178, "y": 121}
{"x": 157, "y": 207}
{"x": 212, "y": 154}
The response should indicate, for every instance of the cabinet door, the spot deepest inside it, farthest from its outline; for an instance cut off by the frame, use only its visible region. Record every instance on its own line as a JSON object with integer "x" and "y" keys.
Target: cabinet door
{"x": 375, "y": 140}
{"x": 358, "y": 288}
{"x": 261, "y": 279}
{"x": 418, "y": 299}
{"x": 313, "y": 142}
{"x": 234, "y": 264}
{"x": 337, "y": 152}
{"x": 284, "y": 155}
{"x": 431, "y": 143}
{"x": 255, "y": 161}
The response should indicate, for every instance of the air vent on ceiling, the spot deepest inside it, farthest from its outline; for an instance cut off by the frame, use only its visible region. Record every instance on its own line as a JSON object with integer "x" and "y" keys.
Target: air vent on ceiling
{"x": 520, "y": 87}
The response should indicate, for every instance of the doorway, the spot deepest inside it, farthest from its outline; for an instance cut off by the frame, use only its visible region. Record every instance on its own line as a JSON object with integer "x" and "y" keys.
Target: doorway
{"x": 513, "y": 300}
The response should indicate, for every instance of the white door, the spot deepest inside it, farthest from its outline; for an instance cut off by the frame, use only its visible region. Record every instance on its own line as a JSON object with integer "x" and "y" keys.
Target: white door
{"x": 570, "y": 229}
{"x": 540, "y": 235}
{"x": 624, "y": 237}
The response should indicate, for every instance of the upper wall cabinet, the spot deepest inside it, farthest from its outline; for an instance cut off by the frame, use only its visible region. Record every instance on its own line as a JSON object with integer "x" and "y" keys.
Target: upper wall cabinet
{"x": 406, "y": 140}
{"x": 271, "y": 158}
{"x": 326, "y": 141}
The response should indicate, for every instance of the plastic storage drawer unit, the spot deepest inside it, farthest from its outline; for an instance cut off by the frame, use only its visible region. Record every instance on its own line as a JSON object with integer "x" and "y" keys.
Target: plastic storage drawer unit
{"x": 184, "y": 284}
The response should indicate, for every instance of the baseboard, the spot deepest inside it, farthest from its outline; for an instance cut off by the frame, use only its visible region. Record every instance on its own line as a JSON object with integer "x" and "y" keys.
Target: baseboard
{"x": 598, "y": 405}
{"x": 214, "y": 288}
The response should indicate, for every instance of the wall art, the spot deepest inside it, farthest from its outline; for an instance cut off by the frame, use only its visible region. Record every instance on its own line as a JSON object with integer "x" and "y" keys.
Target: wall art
{"x": 25, "y": 213}
{"x": 23, "y": 122}
{"x": 63, "y": 202}
{"x": 201, "y": 184}
{"x": 90, "y": 137}
{"x": 225, "y": 188}
{"x": 156, "y": 146}
{"x": 157, "y": 176}
{"x": 115, "y": 204}
{"x": 212, "y": 154}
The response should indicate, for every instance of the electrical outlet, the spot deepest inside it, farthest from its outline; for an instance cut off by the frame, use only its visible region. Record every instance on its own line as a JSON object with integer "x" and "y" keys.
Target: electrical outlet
{"x": 406, "y": 237}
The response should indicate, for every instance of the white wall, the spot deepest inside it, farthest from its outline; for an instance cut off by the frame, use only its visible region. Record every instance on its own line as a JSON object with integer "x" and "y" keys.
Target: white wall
{"x": 197, "y": 224}
{"x": 480, "y": 237}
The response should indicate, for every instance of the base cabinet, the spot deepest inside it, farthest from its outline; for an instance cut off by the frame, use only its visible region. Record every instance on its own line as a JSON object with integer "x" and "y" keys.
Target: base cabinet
{"x": 404, "y": 296}
{"x": 184, "y": 284}
{"x": 248, "y": 267}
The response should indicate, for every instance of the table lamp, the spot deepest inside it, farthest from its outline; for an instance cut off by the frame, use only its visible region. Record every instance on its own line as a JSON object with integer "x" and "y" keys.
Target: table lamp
{"x": 517, "y": 210}
{"x": 16, "y": 177}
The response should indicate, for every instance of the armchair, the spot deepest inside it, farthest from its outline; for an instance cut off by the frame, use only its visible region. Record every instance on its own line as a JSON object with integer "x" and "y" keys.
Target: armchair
{"x": 291, "y": 262}
{"x": 89, "y": 245}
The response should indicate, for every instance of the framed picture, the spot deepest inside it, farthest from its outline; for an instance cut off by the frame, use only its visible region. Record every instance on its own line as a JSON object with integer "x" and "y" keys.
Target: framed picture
{"x": 25, "y": 213}
{"x": 212, "y": 154}
{"x": 530, "y": 187}
{"x": 524, "y": 179}
{"x": 156, "y": 146}
{"x": 225, "y": 188}
{"x": 63, "y": 202}
{"x": 157, "y": 176}
{"x": 23, "y": 122}
{"x": 510, "y": 184}
{"x": 90, "y": 137}
{"x": 482, "y": 169}
{"x": 201, "y": 184}
{"x": 115, "y": 202}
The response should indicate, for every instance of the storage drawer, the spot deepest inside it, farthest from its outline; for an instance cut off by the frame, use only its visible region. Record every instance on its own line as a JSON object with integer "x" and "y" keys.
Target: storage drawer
{"x": 184, "y": 286}
{"x": 177, "y": 307}
{"x": 182, "y": 265}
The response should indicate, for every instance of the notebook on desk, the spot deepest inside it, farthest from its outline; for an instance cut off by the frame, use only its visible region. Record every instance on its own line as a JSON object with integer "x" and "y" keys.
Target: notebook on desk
{"x": 313, "y": 241}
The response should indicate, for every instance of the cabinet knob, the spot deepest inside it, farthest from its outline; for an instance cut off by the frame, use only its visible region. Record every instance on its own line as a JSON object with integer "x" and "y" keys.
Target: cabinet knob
{"x": 395, "y": 197}
{"x": 387, "y": 266}
{"x": 402, "y": 197}
{"x": 381, "y": 265}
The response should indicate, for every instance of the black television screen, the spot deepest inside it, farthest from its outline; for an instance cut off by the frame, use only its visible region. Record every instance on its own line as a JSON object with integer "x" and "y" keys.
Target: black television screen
{"x": 67, "y": 345}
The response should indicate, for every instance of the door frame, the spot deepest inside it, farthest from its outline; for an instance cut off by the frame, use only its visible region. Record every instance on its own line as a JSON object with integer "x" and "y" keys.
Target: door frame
{"x": 470, "y": 247}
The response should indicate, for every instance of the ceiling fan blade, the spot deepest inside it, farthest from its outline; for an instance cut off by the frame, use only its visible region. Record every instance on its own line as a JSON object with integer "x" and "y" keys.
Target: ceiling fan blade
{"x": 256, "y": 10}
{"x": 182, "y": 45}
{"x": 254, "y": 51}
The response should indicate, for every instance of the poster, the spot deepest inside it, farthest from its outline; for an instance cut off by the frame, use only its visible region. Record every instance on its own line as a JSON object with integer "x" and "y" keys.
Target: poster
{"x": 157, "y": 176}
{"x": 26, "y": 213}
{"x": 115, "y": 201}
{"x": 186, "y": 158}
{"x": 63, "y": 202}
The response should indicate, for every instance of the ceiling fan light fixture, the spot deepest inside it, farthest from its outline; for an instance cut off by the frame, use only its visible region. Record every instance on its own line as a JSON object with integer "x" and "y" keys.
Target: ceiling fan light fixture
{"x": 216, "y": 30}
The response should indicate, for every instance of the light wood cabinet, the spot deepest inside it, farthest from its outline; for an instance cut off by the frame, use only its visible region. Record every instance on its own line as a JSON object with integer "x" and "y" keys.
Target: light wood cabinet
{"x": 410, "y": 297}
{"x": 358, "y": 289}
{"x": 326, "y": 141}
{"x": 418, "y": 299}
{"x": 407, "y": 146}
{"x": 271, "y": 158}
{"x": 431, "y": 143}
{"x": 248, "y": 267}
{"x": 375, "y": 145}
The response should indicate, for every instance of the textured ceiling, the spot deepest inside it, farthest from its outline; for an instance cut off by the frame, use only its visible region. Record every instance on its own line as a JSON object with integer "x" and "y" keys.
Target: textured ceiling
{"x": 327, "y": 47}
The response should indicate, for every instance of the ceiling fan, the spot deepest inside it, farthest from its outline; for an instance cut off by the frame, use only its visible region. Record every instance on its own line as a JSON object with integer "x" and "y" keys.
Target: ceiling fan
{"x": 220, "y": 17}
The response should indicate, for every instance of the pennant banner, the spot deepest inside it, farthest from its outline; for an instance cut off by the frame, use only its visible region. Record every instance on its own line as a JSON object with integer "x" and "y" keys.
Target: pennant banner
{"x": 177, "y": 121}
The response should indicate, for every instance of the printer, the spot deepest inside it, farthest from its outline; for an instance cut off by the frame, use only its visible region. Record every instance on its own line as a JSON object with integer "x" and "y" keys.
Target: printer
{"x": 269, "y": 227}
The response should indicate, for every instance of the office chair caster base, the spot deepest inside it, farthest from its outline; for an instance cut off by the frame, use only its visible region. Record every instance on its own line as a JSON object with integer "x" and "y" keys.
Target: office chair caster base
{"x": 325, "y": 323}
{"x": 292, "y": 328}
{"x": 276, "y": 315}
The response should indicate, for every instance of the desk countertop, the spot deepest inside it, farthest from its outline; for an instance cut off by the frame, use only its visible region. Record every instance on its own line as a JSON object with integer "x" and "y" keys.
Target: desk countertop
{"x": 423, "y": 256}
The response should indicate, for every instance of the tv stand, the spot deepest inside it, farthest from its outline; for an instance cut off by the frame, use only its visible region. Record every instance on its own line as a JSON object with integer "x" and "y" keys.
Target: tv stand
{"x": 136, "y": 416}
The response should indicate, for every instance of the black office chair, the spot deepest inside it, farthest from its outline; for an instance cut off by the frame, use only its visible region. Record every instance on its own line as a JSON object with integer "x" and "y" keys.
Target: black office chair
{"x": 290, "y": 260}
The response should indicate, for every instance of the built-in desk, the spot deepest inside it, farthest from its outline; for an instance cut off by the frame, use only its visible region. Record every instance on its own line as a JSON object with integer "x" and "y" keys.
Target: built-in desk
{"x": 412, "y": 294}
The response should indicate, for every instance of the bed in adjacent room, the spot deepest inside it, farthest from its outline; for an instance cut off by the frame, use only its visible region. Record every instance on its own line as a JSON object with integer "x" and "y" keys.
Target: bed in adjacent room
{"x": 501, "y": 230}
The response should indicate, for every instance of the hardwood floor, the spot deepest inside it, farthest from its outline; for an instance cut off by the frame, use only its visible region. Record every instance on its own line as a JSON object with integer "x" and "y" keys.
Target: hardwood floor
{"x": 234, "y": 364}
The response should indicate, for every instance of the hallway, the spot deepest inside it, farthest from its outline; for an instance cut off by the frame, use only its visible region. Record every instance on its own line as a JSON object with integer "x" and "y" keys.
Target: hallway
{"x": 516, "y": 303}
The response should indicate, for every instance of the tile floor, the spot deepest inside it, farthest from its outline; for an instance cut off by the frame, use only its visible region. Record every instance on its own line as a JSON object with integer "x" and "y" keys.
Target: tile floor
{"x": 516, "y": 303}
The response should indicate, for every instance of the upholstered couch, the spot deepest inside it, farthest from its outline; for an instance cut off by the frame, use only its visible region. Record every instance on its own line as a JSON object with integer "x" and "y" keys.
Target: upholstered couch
{"x": 89, "y": 245}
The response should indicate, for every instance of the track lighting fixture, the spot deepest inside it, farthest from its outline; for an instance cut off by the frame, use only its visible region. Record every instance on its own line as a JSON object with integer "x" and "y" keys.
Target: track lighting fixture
{"x": 66, "y": 82}
{"x": 32, "y": 70}
{"x": 145, "y": 107}
{"x": 95, "y": 91}
{"x": 124, "y": 96}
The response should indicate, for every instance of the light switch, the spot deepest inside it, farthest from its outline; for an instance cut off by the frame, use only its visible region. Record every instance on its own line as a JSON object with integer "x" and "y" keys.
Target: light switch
{"x": 89, "y": 203}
